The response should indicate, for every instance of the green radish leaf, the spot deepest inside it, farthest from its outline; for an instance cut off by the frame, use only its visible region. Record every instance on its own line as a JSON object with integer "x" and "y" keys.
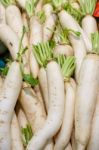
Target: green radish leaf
{"x": 21, "y": 49}
{"x": 58, "y": 4}
{"x": 29, "y": 79}
{"x": 26, "y": 134}
{"x": 76, "y": 33}
{"x": 44, "y": 52}
{"x": 87, "y": 6}
{"x": 7, "y": 2}
{"x": 95, "y": 42}
{"x": 42, "y": 17}
{"x": 61, "y": 35}
{"x": 30, "y": 7}
{"x": 76, "y": 13}
{"x": 67, "y": 65}
{"x": 4, "y": 71}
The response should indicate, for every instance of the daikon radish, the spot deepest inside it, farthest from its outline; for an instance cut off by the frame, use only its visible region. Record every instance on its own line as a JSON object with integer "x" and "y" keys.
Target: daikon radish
{"x": 38, "y": 93}
{"x": 16, "y": 24}
{"x": 8, "y": 97}
{"x": 44, "y": 86}
{"x": 21, "y": 116}
{"x": 35, "y": 37}
{"x": 34, "y": 111}
{"x": 50, "y": 22}
{"x": 88, "y": 82}
{"x": 89, "y": 23}
{"x": 64, "y": 50}
{"x": 33, "y": 108}
{"x": 14, "y": 20}
{"x": 56, "y": 108}
{"x": 77, "y": 43}
{"x": 16, "y": 134}
{"x": 10, "y": 39}
{"x": 64, "y": 135}
{"x": 93, "y": 143}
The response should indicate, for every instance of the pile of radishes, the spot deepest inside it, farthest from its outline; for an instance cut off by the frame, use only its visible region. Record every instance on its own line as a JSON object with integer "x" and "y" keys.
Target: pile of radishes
{"x": 49, "y": 96}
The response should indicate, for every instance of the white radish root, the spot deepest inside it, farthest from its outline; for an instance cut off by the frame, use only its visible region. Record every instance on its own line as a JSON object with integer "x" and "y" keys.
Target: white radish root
{"x": 89, "y": 25}
{"x": 50, "y": 22}
{"x": 16, "y": 134}
{"x": 93, "y": 143}
{"x": 44, "y": 86}
{"x": 33, "y": 109}
{"x": 14, "y": 20}
{"x": 38, "y": 93}
{"x": 10, "y": 39}
{"x": 21, "y": 116}
{"x": 88, "y": 82}
{"x": 64, "y": 135}
{"x": 66, "y": 50}
{"x": 56, "y": 108}
{"x": 8, "y": 97}
{"x": 35, "y": 38}
{"x": 78, "y": 45}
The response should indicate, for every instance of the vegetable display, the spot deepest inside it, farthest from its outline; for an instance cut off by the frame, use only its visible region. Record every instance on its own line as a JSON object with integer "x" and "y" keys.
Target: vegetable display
{"x": 49, "y": 75}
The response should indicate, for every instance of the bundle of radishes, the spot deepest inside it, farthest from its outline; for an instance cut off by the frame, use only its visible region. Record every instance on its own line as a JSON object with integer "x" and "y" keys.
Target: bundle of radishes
{"x": 49, "y": 87}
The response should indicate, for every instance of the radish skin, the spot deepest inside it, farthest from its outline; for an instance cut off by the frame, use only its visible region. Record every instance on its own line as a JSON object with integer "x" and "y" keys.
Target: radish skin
{"x": 89, "y": 25}
{"x": 35, "y": 38}
{"x": 56, "y": 108}
{"x": 88, "y": 82}
{"x": 2, "y": 14}
{"x": 50, "y": 22}
{"x": 64, "y": 135}
{"x": 35, "y": 112}
{"x": 48, "y": 27}
{"x": 37, "y": 90}
{"x": 16, "y": 135}
{"x": 8, "y": 97}
{"x": 21, "y": 116}
{"x": 48, "y": 9}
{"x": 32, "y": 108}
{"x": 14, "y": 20}
{"x": 68, "y": 147}
{"x": 44, "y": 86}
{"x": 71, "y": 23}
{"x": 93, "y": 141}
{"x": 77, "y": 43}
{"x": 10, "y": 39}
{"x": 66, "y": 50}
